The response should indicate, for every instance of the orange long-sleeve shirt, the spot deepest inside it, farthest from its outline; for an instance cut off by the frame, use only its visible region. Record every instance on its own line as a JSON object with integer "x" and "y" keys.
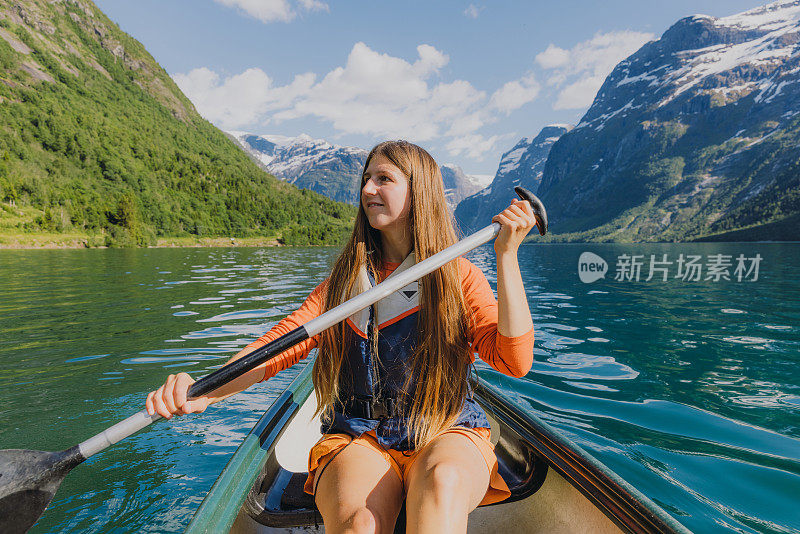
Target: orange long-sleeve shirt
{"x": 509, "y": 355}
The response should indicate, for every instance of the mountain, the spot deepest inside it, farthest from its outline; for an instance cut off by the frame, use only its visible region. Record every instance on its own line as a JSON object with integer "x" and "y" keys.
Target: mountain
{"x": 457, "y": 185}
{"x": 315, "y": 164}
{"x": 694, "y": 136}
{"x": 522, "y": 165}
{"x": 331, "y": 170}
{"x": 97, "y": 140}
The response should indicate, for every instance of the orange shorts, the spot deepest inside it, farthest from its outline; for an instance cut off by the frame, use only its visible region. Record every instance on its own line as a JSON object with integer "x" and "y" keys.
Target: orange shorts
{"x": 322, "y": 452}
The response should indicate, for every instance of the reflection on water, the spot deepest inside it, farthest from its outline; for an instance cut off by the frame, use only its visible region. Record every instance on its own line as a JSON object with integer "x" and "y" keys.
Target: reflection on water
{"x": 687, "y": 389}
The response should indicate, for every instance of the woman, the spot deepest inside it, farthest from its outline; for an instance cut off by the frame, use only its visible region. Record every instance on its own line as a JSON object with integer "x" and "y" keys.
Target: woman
{"x": 394, "y": 379}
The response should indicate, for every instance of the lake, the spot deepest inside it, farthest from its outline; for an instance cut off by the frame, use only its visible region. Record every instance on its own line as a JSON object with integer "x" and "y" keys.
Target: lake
{"x": 678, "y": 369}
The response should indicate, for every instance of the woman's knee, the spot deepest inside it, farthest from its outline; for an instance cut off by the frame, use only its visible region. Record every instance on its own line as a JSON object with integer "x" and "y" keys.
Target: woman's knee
{"x": 361, "y": 520}
{"x": 359, "y": 492}
{"x": 443, "y": 481}
{"x": 446, "y": 484}
{"x": 445, "y": 478}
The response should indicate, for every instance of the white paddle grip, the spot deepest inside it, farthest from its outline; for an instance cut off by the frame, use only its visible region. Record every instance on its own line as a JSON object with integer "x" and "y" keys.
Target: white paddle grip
{"x": 117, "y": 432}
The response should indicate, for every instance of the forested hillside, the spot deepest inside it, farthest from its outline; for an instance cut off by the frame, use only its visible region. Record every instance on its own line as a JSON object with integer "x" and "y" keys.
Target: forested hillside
{"x": 96, "y": 138}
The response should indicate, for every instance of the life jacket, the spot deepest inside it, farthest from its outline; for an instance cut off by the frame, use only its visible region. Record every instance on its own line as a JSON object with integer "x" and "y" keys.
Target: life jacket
{"x": 372, "y": 402}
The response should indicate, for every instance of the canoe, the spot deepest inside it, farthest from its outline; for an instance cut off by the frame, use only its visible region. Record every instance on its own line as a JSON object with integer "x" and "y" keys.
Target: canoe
{"x": 556, "y": 486}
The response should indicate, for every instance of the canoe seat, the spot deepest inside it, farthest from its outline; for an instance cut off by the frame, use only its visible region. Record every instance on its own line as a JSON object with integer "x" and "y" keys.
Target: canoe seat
{"x": 294, "y": 496}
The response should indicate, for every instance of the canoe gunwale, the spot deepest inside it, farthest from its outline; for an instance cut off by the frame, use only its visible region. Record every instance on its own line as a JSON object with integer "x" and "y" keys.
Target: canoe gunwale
{"x": 221, "y": 505}
{"x": 631, "y": 510}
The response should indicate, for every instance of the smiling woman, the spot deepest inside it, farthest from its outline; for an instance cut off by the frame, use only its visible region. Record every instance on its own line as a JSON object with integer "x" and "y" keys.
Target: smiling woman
{"x": 394, "y": 377}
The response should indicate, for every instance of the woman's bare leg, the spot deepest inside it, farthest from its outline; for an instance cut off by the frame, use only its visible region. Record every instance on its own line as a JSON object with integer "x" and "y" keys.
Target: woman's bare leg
{"x": 359, "y": 492}
{"x": 445, "y": 483}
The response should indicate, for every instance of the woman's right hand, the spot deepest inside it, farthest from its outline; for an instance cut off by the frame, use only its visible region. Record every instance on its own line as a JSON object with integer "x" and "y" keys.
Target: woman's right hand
{"x": 170, "y": 398}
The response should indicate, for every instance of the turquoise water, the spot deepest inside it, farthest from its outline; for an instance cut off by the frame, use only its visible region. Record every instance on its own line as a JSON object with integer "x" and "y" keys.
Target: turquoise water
{"x": 687, "y": 389}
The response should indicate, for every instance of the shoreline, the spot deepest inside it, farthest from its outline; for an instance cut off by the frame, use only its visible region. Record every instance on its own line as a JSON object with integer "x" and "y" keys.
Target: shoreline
{"x": 73, "y": 241}
{"x": 219, "y": 242}
{"x": 52, "y": 241}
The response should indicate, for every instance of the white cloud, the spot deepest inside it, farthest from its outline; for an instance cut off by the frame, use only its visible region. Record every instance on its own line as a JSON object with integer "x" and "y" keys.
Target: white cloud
{"x": 473, "y": 11}
{"x": 478, "y": 146}
{"x": 313, "y": 5}
{"x": 466, "y": 123}
{"x": 430, "y": 60}
{"x": 580, "y": 71}
{"x": 474, "y": 145}
{"x": 371, "y": 94}
{"x": 233, "y": 101}
{"x": 553, "y": 57}
{"x": 515, "y": 94}
{"x": 579, "y": 94}
{"x": 274, "y": 10}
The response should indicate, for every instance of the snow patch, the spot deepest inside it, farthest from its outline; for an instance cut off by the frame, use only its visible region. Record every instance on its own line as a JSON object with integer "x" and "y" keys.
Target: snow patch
{"x": 635, "y": 79}
{"x": 741, "y": 88}
{"x": 511, "y": 160}
{"x": 774, "y": 16}
{"x": 604, "y": 118}
{"x": 770, "y": 87}
{"x": 483, "y": 180}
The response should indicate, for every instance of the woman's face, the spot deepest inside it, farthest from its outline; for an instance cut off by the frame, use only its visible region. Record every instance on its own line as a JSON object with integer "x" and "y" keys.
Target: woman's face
{"x": 385, "y": 195}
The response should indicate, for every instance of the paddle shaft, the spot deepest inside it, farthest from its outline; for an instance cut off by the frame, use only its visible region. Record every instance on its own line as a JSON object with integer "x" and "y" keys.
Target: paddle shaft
{"x": 225, "y": 374}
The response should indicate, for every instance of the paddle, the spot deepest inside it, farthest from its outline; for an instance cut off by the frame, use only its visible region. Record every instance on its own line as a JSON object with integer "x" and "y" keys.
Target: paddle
{"x": 29, "y": 479}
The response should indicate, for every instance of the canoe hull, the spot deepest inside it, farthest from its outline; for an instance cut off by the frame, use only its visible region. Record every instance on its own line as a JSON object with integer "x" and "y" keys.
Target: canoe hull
{"x": 556, "y": 486}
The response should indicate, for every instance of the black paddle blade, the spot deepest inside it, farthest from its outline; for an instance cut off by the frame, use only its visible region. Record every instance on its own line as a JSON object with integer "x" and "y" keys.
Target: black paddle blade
{"x": 28, "y": 482}
{"x": 538, "y": 208}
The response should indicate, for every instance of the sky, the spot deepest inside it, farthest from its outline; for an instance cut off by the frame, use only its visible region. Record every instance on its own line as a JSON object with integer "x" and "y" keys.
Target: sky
{"x": 465, "y": 80}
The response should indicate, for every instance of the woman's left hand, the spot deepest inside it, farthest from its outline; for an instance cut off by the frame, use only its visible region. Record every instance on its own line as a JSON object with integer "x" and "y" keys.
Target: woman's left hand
{"x": 517, "y": 220}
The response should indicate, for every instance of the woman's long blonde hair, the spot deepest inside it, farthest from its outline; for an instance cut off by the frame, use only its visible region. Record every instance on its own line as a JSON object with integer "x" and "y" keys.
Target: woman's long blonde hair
{"x": 442, "y": 355}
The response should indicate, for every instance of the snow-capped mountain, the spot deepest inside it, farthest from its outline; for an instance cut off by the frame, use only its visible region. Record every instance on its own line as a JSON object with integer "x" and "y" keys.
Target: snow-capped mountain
{"x": 694, "y": 134}
{"x": 331, "y": 170}
{"x": 315, "y": 164}
{"x": 721, "y": 59}
{"x": 522, "y": 165}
